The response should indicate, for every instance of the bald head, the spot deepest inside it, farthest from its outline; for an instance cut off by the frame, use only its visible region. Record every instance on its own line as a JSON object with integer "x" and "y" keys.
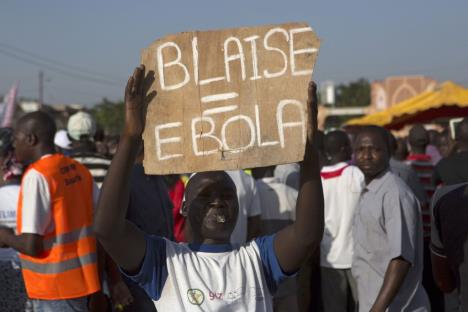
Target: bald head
{"x": 34, "y": 137}
{"x": 40, "y": 124}
{"x": 418, "y": 139}
{"x": 211, "y": 206}
{"x": 209, "y": 177}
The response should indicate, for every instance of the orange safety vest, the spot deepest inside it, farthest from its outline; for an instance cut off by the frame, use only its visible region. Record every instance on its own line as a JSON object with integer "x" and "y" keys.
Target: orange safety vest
{"x": 67, "y": 268}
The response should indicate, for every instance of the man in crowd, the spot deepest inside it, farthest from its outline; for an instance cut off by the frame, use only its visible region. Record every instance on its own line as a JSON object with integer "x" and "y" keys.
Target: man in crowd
{"x": 13, "y": 295}
{"x": 421, "y": 162}
{"x": 454, "y": 169}
{"x": 55, "y": 215}
{"x": 406, "y": 173}
{"x": 342, "y": 186}
{"x": 81, "y": 128}
{"x": 278, "y": 204}
{"x": 388, "y": 255}
{"x": 444, "y": 144}
{"x": 208, "y": 273}
{"x": 449, "y": 243}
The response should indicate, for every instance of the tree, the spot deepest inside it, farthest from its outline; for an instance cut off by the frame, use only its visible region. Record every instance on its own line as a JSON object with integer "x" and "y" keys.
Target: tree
{"x": 356, "y": 93}
{"x": 110, "y": 116}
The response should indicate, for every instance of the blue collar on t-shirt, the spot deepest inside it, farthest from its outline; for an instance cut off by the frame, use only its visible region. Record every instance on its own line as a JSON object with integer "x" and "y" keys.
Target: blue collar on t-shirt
{"x": 210, "y": 247}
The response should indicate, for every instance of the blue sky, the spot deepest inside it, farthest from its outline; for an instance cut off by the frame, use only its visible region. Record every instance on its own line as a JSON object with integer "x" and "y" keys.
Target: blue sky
{"x": 371, "y": 39}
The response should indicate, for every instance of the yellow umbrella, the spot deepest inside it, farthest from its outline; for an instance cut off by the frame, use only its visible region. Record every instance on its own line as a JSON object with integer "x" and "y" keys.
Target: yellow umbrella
{"x": 448, "y": 100}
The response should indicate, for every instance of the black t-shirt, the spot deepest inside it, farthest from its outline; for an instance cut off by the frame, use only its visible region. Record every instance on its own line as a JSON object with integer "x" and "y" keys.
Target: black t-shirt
{"x": 450, "y": 232}
{"x": 150, "y": 207}
{"x": 452, "y": 170}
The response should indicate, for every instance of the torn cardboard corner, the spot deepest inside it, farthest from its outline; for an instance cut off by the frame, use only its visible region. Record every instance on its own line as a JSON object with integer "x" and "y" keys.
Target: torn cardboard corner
{"x": 228, "y": 99}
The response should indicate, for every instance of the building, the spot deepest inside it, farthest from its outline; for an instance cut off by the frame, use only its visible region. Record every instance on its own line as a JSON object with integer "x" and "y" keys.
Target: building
{"x": 393, "y": 90}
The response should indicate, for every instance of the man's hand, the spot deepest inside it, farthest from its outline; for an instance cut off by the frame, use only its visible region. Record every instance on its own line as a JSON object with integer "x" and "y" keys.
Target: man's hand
{"x": 121, "y": 295}
{"x": 312, "y": 104}
{"x": 135, "y": 102}
{"x": 4, "y": 233}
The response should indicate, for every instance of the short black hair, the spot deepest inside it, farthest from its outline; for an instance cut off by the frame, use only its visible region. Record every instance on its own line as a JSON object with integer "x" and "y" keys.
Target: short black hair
{"x": 334, "y": 141}
{"x": 382, "y": 132}
{"x": 40, "y": 124}
{"x": 418, "y": 136}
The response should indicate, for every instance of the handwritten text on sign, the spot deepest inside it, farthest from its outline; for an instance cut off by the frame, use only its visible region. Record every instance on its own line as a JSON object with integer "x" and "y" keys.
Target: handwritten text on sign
{"x": 228, "y": 99}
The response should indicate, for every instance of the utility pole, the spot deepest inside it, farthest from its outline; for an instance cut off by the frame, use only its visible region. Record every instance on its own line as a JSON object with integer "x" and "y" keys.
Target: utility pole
{"x": 41, "y": 88}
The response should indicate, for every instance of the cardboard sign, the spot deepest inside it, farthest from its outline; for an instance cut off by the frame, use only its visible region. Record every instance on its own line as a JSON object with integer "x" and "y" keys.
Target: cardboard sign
{"x": 228, "y": 99}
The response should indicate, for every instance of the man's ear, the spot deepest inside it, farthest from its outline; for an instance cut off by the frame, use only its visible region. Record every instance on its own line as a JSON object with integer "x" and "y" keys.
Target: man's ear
{"x": 31, "y": 139}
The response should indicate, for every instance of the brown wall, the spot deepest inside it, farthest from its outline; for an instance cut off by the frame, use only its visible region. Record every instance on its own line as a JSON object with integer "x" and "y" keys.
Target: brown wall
{"x": 393, "y": 90}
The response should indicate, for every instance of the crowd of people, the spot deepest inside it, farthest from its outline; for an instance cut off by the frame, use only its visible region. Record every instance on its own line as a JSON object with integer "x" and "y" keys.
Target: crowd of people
{"x": 367, "y": 222}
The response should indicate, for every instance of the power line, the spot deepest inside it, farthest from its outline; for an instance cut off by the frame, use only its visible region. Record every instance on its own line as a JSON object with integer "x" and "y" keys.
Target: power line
{"x": 53, "y": 62}
{"x": 60, "y": 70}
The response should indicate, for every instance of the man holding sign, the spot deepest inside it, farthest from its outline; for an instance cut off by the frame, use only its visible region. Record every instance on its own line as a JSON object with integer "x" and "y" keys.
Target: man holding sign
{"x": 208, "y": 274}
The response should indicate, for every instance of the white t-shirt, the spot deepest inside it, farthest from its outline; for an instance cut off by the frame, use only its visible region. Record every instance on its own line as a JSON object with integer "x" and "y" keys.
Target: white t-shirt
{"x": 37, "y": 209}
{"x": 190, "y": 277}
{"x": 342, "y": 186}
{"x": 278, "y": 201}
{"x": 8, "y": 205}
{"x": 288, "y": 174}
{"x": 249, "y": 204}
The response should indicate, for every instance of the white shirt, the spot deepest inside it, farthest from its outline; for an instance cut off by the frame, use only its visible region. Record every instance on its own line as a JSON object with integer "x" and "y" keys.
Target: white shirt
{"x": 181, "y": 277}
{"x": 249, "y": 204}
{"x": 37, "y": 208}
{"x": 8, "y": 204}
{"x": 288, "y": 174}
{"x": 278, "y": 201}
{"x": 342, "y": 186}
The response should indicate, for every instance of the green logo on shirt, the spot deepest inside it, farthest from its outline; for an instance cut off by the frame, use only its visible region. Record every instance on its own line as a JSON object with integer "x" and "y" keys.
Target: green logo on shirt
{"x": 195, "y": 296}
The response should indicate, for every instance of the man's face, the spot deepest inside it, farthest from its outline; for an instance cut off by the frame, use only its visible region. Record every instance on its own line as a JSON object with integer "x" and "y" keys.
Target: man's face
{"x": 371, "y": 154}
{"x": 22, "y": 148}
{"x": 213, "y": 206}
{"x": 444, "y": 145}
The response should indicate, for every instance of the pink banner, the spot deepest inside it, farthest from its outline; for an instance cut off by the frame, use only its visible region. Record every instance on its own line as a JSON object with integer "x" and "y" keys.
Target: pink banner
{"x": 9, "y": 109}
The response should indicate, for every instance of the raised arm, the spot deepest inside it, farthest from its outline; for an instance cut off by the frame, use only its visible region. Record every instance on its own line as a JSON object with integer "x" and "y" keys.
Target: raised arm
{"x": 120, "y": 238}
{"x": 293, "y": 243}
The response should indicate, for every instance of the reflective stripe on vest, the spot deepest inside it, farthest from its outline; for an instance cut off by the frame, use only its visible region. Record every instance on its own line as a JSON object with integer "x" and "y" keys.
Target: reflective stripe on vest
{"x": 59, "y": 267}
{"x": 69, "y": 237}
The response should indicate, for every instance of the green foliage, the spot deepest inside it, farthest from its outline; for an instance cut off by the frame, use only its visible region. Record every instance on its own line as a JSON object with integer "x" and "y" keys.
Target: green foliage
{"x": 110, "y": 116}
{"x": 356, "y": 93}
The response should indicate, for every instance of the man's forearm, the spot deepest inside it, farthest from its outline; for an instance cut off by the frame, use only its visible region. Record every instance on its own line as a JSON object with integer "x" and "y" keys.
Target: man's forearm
{"x": 309, "y": 208}
{"x": 24, "y": 243}
{"x": 113, "y": 201}
{"x": 394, "y": 277}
